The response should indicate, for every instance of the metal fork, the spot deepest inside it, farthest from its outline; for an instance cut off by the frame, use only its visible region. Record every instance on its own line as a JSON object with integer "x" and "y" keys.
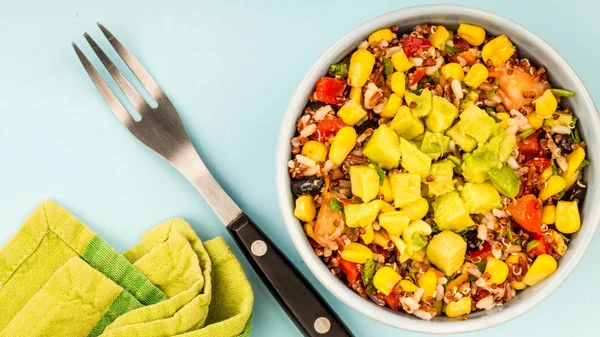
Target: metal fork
{"x": 162, "y": 130}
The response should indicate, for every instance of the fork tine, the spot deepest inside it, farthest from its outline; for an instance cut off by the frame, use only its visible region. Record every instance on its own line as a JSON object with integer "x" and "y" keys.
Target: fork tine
{"x": 133, "y": 64}
{"x": 134, "y": 97}
{"x": 110, "y": 98}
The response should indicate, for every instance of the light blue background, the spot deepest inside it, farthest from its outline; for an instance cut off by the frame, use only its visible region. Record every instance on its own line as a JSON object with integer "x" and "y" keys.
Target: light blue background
{"x": 230, "y": 68}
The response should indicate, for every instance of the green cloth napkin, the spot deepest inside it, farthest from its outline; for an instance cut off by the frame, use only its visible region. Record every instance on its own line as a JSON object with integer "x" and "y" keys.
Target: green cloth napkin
{"x": 60, "y": 275}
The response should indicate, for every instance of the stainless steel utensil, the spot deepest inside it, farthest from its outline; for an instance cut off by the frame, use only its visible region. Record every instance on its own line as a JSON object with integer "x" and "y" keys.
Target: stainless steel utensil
{"x": 162, "y": 130}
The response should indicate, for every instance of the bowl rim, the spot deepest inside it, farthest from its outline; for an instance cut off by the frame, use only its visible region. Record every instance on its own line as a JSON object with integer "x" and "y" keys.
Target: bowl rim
{"x": 320, "y": 270}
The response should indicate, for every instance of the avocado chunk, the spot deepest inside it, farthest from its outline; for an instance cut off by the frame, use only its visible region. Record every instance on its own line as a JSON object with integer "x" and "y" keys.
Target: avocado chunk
{"x": 450, "y": 212}
{"x": 477, "y": 124}
{"x": 442, "y": 173}
{"x": 422, "y": 103}
{"x": 416, "y": 227}
{"x": 383, "y": 148}
{"x": 446, "y": 251}
{"x": 364, "y": 181}
{"x": 406, "y": 188}
{"x": 394, "y": 222}
{"x": 480, "y": 198}
{"x": 466, "y": 143}
{"x": 417, "y": 243}
{"x": 361, "y": 215}
{"x": 563, "y": 119}
{"x": 505, "y": 180}
{"x": 507, "y": 146}
{"x": 476, "y": 165}
{"x": 442, "y": 115}
{"x": 352, "y": 112}
{"x": 413, "y": 160}
{"x": 434, "y": 144}
{"x": 405, "y": 124}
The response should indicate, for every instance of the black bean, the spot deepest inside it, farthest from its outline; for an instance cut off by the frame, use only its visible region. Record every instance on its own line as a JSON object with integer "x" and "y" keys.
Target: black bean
{"x": 576, "y": 192}
{"x": 473, "y": 241}
{"x": 307, "y": 185}
{"x": 314, "y": 105}
{"x": 369, "y": 123}
{"x": 566, "y": 144}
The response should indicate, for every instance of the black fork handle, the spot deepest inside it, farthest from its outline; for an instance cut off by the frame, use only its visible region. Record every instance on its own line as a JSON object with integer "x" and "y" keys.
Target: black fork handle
{"x": 311, "y": 314}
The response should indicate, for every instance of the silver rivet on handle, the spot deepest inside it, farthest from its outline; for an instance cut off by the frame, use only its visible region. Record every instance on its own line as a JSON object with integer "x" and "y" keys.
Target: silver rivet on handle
{"x": 259, "y": 248}
{"x": 322, "y": 325}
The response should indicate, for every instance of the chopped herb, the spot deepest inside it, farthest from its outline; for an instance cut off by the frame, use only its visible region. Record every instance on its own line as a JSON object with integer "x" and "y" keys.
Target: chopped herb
{"x": 532, "y": 244}
{"x": 368, "y": 272}
{"x": 419, "y": 86}
{"x": 554, "y": 168}
{"x": 584, "y": 163}
{"x": 526, "y": 133}
{"x": 563, "y": 236}
{"x": 518, "y": 242}
{"x": 496, "y": 81}
{"x": 562, "y": 93}
{"x": 463, "y": 85}
{"x": 492, "y": 93}
{"x": 561, "y": 194}
{"x": 380, "y": 172}
{"x": 509, "y": 230}
{"x": 436, "y": 77}
{"x": 449, "y": 279}
{"x": 362, "y": 121}
{"x": 576, "y": 136}
{"x": 454, "y": 160}
{"x": 471, "y": 278}
{"x": 489, "y": 112}
{"x": 465, "y": 230}
{"x": 371, "y": 290}
{"x": 339, "y": 69}
{"x": 388, "y": 67}
{"x": 480, "y": 266}
{"x": 334, "y": 205}
{"x": 411, "y": 273}
{"x": 452, "y": 49}
{"x": 574, "y": 120}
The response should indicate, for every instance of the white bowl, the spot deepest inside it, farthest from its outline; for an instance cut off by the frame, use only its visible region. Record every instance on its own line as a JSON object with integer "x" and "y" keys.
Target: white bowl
{"x": 530, "y": 46}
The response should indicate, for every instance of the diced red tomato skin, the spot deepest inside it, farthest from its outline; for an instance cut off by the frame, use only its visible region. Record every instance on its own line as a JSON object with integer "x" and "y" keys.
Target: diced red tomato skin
{"x": 327, "y": 126}
{"x": 527, "y": 212}
{"x": 330, "y": 90}
{"x": 349, "y": 268}
{"x": 392, "y": 301}
{"x": 542, "y": 247}
{"x": 485, "y": 249}
{"x": 417, "y": 76}
{"x": 529, "y": 145}
{"x": 413, "y": 44}
{"x": 538, "y": 163}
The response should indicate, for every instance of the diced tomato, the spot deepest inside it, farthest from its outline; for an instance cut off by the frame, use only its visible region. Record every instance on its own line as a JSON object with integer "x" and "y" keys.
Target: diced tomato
{"x": 417, "y": 76}
{"x": 542, "y": 247}
{"x": 392, "y": 300}
{"x": 330, "y": 125}
{"x": 482, "y": 253}
{"x": 349, "y": 268}
{"x": 527, "y": 212}
{"x": 496, "y": 73}
{"x": 413, "y": 44}
{"x": 529, "y": 145}
{"x": 538, "y": 163}
{"x": 330, "y": 90}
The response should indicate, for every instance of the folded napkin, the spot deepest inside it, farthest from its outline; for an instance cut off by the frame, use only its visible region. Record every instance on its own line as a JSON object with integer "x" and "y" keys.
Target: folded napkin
{"x": 58, "y": 278}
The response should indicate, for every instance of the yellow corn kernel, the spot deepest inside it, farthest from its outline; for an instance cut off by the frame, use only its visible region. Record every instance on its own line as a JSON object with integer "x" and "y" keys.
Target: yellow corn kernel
{"x": 418, "y": 256}
{"x": 543, "y": 266}
{"x": 453, "y": 70}
{"x": 498, "y": 269}
{"x": 309, "y": 230}
{"x": 558, "y": 243}
{"x": 458, "y": 308}
{"x": 535, "y": 121}
{"x": 476, "y": 75}
{"x": 379, "y": 239}
{"x": 361, "y": 66}
{"x": 386, "y": 190}
{"x": 352, "y": 112}
{"x": 369, "y": 234}
{"x": 546, "y": 104}
{"x": 416, "y": 210}
{"x": 439, "y": 37}
{"x": 574, "y": 160}
{"x": 554, "y": 185}
{"x": 549, "y": 214}
{"x": 475, "y": 35}
{"x": 385, "y": 279}
{"x": 408, "y": 286}
{"x": 401, "y": 62}
{"x": 305, "y": 208}
{"x": 391, "y": 107}
{"x": 356, "y": 95}
{"x": 428, "y": 282}
{"x": 386, "y": 208}
{"x": 394, "y": 222}
{"x": 567, "y": 219}
{"x": 315, "y": 150}
{"x": 504, "y": 117}
{"x": 382, "y": 34}
{"x": 514, "y": 259}
{"x": 473, "y": 96}
{"x": 547, "y": 173}
{"x": 397, "y": 81}
{"x": 570, "y": 179}
{"x": 357, "y": 253}
{"x": 499, "y": 50}
{"x": 516, "y": 285}
{"x": 342, "y": 144}
{"x": 400, "y": 245}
